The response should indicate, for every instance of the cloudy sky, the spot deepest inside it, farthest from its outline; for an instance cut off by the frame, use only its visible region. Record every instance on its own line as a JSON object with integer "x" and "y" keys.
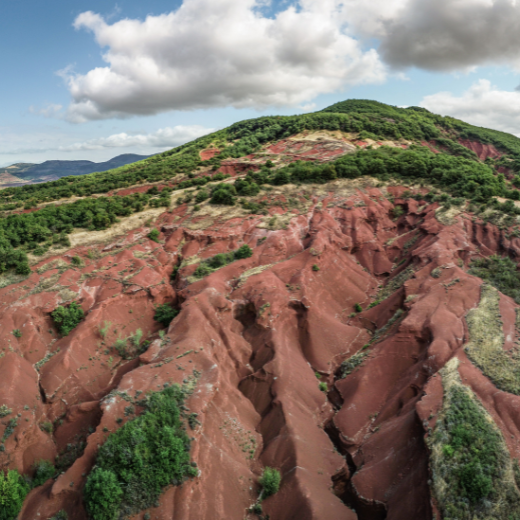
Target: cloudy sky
{"x": 91, "y": 79}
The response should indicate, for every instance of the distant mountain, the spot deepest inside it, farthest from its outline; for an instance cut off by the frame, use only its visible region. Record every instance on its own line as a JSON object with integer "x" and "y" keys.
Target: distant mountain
{"x": 55, "y": 169}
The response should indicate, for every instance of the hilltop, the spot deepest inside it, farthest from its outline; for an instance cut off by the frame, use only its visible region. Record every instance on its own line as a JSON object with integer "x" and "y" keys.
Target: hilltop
{"x": 333, "y": 295}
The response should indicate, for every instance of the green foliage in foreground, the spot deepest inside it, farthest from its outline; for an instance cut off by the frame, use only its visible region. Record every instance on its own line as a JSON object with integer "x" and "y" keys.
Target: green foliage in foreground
{"x": 165, "y": 314}
{"x": 500, "y": 272}
{"x": 140, "y": 459}
{"x": 13, "y": 490}
{"x": 472, "y": 469}
{"x": 270, "y": 481}
{"x": 216, "y": 262}
{"x": 67, "y": 318}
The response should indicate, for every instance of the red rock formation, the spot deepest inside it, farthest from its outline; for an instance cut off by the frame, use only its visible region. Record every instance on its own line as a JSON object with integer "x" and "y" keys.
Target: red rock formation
{"x": 255, "y": 333}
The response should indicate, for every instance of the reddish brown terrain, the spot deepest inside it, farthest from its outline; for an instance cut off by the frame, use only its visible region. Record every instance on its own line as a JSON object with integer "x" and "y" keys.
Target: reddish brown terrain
{"x": 256, "y": 338}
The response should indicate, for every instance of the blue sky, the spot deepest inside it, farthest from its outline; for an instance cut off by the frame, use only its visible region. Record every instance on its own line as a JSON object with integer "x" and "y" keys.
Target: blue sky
{"x": 91, "y": 79}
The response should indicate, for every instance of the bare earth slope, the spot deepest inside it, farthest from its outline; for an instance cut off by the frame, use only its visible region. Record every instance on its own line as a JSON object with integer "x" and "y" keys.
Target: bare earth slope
{"x": 263, "y": 341}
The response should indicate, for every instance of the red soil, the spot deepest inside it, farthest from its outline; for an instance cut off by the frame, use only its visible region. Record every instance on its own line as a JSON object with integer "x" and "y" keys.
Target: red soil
{"x": 483, "y": 151}
{"x": 258, "y": 343}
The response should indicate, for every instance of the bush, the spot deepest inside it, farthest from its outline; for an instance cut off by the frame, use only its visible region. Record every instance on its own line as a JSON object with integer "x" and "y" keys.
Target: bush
{"x": 76, "y": 260}
{"x": 270, "y": 481}
{"x": 202, "y": 195}
{"x": 243, "y": 252}
{"x": 154, "y": 235}
{"x": 165, "y": 314}
{"x": 216, "y": 262}
{"x": 17, "y": 333}
{"x": 44, "y": 470}
{"x": 67, "y": 318}
{"x": 13, "y": 490}
{"x": 145, "y": 455}
{"x": 323, "y": 387}
{"x": 358, "y": 308}
{"x": 316, "y": 267}
{"x": 103, "y": 495}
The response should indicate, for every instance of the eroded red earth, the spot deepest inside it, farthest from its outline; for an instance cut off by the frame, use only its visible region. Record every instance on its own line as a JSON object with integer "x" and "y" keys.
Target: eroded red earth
{"x": 259, "y": 335}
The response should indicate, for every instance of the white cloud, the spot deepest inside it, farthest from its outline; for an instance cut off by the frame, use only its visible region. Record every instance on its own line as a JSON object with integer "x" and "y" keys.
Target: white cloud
{"x": 49, "y": 110}
{"x": 449, "y": 35}
{"x": 215, "y": 53}
{"x": 163, "y": 138}
{"x": 481, "y": 105}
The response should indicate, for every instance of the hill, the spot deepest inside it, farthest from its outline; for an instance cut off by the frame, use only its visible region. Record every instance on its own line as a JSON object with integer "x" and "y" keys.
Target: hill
{"x": 333, "y": 295}
{"x": 66, "y": 168}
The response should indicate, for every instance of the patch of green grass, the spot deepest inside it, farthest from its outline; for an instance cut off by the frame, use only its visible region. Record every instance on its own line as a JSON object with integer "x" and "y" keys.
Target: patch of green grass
{"x": 355, "y": 361}
{"x": 210, "y": 265}
{"x": 473, "y": 476}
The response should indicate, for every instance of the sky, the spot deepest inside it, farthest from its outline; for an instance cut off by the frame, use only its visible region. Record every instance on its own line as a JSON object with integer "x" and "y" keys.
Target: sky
{"x": 93, "y": 80}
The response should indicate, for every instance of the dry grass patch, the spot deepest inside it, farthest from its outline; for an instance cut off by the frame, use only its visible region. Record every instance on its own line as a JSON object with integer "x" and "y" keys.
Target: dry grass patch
{"x": 485, "y": 347}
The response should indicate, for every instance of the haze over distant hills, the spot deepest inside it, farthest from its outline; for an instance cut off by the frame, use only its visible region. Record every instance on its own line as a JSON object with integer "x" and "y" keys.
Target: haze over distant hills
{"x": 28, "y": 173}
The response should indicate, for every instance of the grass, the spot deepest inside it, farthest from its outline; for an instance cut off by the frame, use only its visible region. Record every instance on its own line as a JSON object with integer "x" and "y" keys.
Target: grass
{"x": 485, "y": 348}
{"x": 355, "y": 361}
{"x": 473, "y": 474}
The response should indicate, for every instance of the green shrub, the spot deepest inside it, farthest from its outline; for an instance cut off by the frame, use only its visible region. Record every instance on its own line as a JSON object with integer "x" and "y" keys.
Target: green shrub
{"x": 202, "y": 195}
{"x": 315, "y": 267}
{"x": 154, "y": 235}
{"x": 47, "y": 426}
{"x": 103, "y": 495}
{"x": 5, "y": 411}
{"x": 13, "y": 490}
{"x": 243, "y": 252}
{"x": 358, "y": 307}
{"x": 142, "y": 457}
{"x": 76, "y": 260}
{"x": 67, "y": 318}
{"x": 270, "y": 481}
{"x": 103, "y": 331}
{"x": 43, "y": 471}
{"x": 323, "y": 387}
{"x": 17, "y": 333}
{"x": 165, "y": 314}
{"x": 216, "y": 262}
{"x": 136, "y": 338}
{"x": 60, "y": 515}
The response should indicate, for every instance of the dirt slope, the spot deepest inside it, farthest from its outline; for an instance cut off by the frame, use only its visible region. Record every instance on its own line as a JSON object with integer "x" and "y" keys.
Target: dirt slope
{"x": 256, "y": 338}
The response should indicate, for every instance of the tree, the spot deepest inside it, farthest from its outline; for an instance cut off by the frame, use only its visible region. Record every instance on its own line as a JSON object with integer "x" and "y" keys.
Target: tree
{"x": 103, "y": 494}
{"x": 13, "y": 490}
{"x": 270, "y": 481}
{"x": 154, "y": 235}
{"x": 67, "y": 318}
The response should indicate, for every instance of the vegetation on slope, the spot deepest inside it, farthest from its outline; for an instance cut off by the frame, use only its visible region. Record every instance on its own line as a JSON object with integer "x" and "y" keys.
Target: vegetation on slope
{"x": 485, "y": 347}
{"x": 500, "y": 273}
{"x": 216, "y": 262}
{"x": 140, "y": 459}
{"x": 473, "y": 475}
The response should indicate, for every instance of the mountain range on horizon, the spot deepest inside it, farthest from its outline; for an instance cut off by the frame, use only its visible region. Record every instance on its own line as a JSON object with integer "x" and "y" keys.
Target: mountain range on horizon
{"x": 30, "y": 173}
